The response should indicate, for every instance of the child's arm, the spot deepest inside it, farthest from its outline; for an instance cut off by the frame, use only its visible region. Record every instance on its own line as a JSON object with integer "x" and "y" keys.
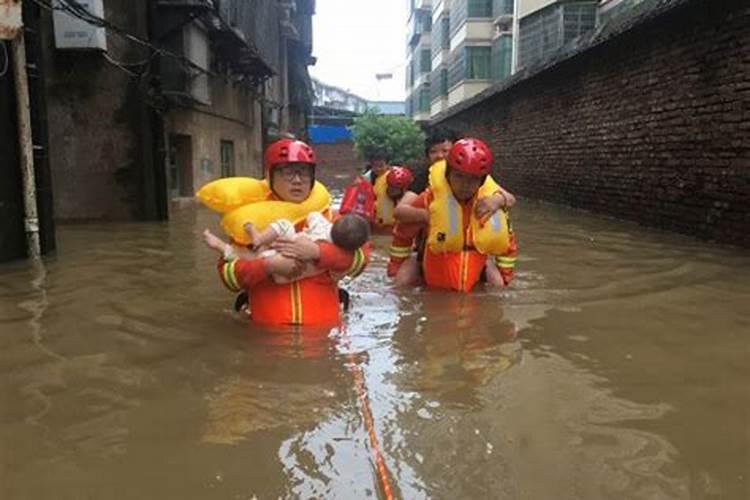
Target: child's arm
{"x": 404, "y": 235}
{"x": 406, "y": 212}
{"x": 506, "y": 262}
{"x": 488, "y": 205}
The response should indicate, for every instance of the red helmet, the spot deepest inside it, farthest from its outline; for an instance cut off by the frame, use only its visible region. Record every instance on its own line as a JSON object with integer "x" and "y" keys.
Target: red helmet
{"x": 399, "y": 177}
{"x": 287, "y": 151}
{"x": 470, "y": 156}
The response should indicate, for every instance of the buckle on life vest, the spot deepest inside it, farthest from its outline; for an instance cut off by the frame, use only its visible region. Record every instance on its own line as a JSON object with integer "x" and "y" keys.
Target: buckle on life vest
{"x": 441, "y": 237}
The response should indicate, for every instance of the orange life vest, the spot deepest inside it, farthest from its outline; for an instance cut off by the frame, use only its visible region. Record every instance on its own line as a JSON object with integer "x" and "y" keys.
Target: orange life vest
{"x": 310, "y": 301}
{"x": 459, "y": 270}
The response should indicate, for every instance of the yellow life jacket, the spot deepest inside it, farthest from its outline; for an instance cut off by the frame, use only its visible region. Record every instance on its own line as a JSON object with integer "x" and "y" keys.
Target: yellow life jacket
{"x": 384, "y": 205}
{"x": 447, "y": 233}
{"x": 243, "y": 200}
{"x": 224, "y": 195}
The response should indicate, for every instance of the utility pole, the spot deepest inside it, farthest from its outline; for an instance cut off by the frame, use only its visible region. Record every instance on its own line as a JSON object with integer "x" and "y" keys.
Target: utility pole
{"x": 11, "y": 28}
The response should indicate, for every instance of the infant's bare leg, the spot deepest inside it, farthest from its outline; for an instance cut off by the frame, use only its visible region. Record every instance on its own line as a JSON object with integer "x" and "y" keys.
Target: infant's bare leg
{"x": 214, "y": 242}
{"x": 261, "y": 238}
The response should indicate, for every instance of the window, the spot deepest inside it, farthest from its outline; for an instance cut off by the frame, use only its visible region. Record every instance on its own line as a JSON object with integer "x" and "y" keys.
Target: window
{"x": 502, "y": 53}
{"x": 502, "y": 8}
{"x": 443, "y": 82}
{"x": 227, "y": 159}
{"x": 426, "y": 21}
{"x": 445, "y": 33}
{"x": 424, "y": 98}
{"x": 478, "y": 63}
{"x": 198, "y": 52}
{"x": 480, "y": 8}
{"x": 425, "y": 61}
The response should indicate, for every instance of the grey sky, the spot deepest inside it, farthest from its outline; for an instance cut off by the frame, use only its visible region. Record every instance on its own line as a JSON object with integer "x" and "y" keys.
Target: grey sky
{"x": 354, "y": 39}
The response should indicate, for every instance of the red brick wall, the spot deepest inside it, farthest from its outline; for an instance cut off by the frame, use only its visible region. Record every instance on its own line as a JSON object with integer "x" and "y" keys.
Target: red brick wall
{"x": 652, "y": 126}
{"x": 337, "y": 165}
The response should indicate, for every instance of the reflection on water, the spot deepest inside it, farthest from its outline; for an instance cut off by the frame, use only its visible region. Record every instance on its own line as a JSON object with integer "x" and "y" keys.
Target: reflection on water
{"x": 616, "y": 367}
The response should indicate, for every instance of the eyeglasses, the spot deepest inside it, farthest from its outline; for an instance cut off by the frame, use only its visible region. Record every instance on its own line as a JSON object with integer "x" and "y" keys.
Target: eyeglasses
{"x": 289, "y": 172}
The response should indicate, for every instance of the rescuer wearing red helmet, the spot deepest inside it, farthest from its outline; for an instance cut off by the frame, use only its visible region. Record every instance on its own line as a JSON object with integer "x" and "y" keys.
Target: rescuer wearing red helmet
{"x": 377, "y": 202}
{"x": 450, "y": 259}
{"x": 289, "y": 167}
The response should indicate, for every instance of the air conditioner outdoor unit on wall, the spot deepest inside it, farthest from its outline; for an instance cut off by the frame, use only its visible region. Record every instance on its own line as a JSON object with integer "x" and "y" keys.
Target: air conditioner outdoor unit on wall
{"x": 71, "y": 32}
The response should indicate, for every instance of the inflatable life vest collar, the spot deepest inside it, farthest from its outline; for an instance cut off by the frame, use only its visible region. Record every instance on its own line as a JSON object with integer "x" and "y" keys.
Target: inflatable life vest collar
{"x": 384, "y": 205}
{"x": 448, "y": 231}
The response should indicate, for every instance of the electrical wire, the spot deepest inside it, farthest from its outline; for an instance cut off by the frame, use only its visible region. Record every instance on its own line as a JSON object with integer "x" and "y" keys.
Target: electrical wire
{"x": 74, "y": 9}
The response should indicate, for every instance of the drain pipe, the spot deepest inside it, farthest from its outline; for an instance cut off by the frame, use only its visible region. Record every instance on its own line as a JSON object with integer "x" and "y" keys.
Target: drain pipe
{"x": 26, "y": 147}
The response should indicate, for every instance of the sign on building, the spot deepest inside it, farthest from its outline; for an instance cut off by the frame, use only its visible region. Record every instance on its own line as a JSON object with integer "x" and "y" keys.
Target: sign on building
{"x": 73, "y": 32}
{"x": 10, "y": 19}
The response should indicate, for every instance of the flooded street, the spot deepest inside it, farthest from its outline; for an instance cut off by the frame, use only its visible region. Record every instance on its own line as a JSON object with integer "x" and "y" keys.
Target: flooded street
{"x": 617, "y": 366}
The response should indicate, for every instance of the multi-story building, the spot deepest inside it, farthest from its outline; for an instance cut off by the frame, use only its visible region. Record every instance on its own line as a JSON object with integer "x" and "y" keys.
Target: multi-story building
{"x": 474, "y": 44}
{"x": 418, "y": 59}
{"x": 330, "y": 96}
{"x": 547, "y": 25}
{"x": 455, "y": 49}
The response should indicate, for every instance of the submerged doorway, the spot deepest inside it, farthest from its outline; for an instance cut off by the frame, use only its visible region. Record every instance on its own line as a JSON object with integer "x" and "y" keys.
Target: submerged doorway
{"x": 180, "y": 166}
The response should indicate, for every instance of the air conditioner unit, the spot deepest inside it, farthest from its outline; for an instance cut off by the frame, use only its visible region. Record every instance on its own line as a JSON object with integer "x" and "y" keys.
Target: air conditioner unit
{"x": 73, "y": 32}
{"x": 503, "y": 24}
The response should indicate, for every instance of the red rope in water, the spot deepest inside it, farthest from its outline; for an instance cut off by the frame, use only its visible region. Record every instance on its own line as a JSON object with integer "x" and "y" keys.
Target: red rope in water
{"x": 359, "y": 381}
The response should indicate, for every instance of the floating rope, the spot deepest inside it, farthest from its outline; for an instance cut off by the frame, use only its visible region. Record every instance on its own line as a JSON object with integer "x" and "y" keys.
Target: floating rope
{"x": 381, "y": 469}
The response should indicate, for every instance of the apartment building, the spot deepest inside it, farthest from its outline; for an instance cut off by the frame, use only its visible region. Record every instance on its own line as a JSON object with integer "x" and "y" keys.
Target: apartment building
{"x": 455, "y": 49}
{"x": 458, "y": 48}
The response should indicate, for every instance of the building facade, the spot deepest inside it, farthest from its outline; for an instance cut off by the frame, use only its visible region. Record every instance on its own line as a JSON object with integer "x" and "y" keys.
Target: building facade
{"x": 455, "y": 49}
{"x": 192, "y": 93}
{"x": 547, "y": 25}
{"x": 330, "y": 96}
{"x": 474, "y": 44}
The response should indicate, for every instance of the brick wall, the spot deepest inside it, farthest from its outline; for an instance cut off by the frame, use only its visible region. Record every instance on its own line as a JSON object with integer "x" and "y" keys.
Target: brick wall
{"x": 337, "y": 164}
{"x": 652, "y": 126}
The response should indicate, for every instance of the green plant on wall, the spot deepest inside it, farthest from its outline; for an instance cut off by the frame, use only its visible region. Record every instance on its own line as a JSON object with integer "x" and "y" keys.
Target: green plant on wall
{"x": 398, "y": 137}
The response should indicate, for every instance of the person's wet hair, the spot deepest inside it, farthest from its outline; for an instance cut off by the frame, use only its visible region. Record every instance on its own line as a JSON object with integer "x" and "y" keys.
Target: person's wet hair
{"x": 377, "y": 154}
{"x": 439, "y": 135}
{"x": 350, "y": 232}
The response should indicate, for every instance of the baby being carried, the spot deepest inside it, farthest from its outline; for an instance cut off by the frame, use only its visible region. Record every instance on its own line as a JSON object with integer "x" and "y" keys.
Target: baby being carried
{"x": 349, "y": 232}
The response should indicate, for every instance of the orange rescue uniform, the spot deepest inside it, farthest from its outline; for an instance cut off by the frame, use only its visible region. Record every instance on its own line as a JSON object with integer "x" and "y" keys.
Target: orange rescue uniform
{"x": 310, "y": 301}
{"x": 451, "y": 270}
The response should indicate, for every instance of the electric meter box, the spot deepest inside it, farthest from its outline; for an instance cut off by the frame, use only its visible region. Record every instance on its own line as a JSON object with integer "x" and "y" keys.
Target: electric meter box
{"x": 72, "y": 32}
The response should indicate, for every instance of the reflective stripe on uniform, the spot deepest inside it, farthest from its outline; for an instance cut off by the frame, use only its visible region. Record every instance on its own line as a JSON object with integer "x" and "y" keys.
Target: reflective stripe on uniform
{"x": 502, "y": 261}
{"x": 400, "y": 252}
{"x": 228, "y": 276}
{"x": 358, "y": 263}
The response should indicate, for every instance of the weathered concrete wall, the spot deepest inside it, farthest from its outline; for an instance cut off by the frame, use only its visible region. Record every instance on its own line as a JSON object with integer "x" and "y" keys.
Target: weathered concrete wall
{"x": 652, "y": 126}
{"x": 100, "y": 129}
{"x": 233, "y": 116}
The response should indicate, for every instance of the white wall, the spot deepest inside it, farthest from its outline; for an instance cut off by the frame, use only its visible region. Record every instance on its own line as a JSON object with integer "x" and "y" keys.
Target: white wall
{"x": 464, "y": 91}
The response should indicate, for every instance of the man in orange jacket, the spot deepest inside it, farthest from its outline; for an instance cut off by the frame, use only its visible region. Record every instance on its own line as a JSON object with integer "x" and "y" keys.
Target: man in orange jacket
{"x": 290, "y": 168}
{"x": 469, "y": 162}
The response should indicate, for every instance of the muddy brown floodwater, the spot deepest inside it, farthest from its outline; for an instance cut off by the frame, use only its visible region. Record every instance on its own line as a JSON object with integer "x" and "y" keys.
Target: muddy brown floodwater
{"x": 617, "y": 367}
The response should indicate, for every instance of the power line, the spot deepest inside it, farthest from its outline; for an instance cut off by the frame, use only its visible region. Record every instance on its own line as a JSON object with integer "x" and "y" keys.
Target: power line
{"x": 73, "y": 8}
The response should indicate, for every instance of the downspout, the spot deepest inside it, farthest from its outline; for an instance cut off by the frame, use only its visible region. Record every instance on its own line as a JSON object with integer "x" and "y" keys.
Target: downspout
{"x": 516, "y": 35}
